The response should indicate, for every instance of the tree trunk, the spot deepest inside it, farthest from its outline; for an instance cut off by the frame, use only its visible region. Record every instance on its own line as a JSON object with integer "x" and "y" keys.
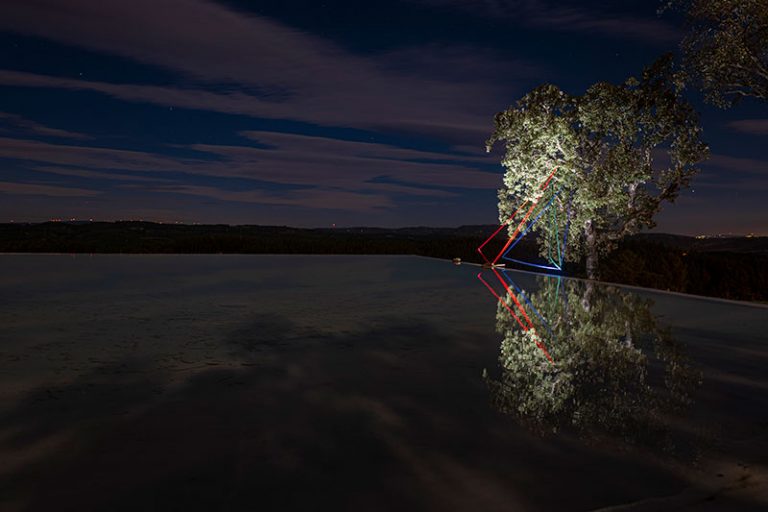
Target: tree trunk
{"x": 628, "y": 340}
{"x": 591, "y": 248}
{"x": 586, "y": 299}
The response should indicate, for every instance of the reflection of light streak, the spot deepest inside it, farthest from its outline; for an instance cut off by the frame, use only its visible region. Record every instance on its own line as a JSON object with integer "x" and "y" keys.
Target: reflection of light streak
{"x": 530, "y": 304}
{"x": 527, "y": 326}
{"x": 519, "y": 226}
{"x": 503, "y": 302}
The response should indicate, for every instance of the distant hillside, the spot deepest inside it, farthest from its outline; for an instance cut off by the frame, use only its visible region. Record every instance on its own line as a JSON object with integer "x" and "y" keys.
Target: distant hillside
{"x": 147, "y": 237}
{"x": 733, "y": 268}
{"x": 739, "y": 244}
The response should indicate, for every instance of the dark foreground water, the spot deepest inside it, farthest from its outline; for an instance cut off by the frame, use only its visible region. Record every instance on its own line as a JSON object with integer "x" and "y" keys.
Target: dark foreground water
{"x": 369, "y": 383}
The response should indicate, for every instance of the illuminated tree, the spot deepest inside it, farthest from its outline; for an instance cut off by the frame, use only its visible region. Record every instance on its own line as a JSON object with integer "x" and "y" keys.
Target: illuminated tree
{"x": 726, "y": 48}
{"x": 620, "y": 151}
{"x": 603, "y": 350}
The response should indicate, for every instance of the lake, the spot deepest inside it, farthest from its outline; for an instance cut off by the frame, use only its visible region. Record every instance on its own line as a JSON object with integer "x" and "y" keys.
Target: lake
{"x": 224, "y": 382}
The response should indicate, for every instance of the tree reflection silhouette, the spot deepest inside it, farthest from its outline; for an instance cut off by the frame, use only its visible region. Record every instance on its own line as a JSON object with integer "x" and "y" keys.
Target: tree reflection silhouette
{"x": 614, "y": 371}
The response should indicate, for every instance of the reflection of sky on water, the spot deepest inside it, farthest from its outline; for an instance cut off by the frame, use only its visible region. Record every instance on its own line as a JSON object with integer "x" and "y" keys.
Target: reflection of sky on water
{"x": 227, "y": 382}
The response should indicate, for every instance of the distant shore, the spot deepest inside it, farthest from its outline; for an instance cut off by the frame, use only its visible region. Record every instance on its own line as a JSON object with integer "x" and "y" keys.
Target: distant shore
{"x": 734, "y": 268}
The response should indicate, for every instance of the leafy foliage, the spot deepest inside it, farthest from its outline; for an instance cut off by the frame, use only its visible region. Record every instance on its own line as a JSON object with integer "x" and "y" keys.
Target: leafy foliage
{"x": 726, "y": 48}
{"x": 615, "y": 371}
{"x": 620, "y": 151}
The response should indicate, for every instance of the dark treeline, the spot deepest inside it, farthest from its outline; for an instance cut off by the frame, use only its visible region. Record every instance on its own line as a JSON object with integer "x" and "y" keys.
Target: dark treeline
{"x": 733, "y": 268}
{"x": 147, "y": 237}
{"x": 720, "y": 273}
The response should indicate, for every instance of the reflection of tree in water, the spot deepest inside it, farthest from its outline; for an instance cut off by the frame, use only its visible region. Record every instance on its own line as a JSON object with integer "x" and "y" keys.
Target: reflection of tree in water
{"x": 614, "y": 370}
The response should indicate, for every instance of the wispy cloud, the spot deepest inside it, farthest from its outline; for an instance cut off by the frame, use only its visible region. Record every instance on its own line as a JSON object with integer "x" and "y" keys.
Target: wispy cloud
{"x": 277, "y": 72}
{"x": 737, "y": 165}
{"x": 102, "y": 174}
{"x": 323, "y": 172}
{"x": 44, "y": 190}
{"x": 287, "y": 159}
{"x": 567, "y": 18}
{"x": 326, "y": 199}
{"x": 233, "y": 62}
{"x": 18, "y": 125}
{"x": 90, "y": 156}
{"x": 750, "y": 126}
{"x": 238, "y": 63}
{"x": 304, "y": 160}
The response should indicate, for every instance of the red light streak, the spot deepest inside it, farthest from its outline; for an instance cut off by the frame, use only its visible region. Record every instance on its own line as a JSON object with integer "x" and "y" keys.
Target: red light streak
{"x": 543, "y": 188}
{"x": 502, "y": 226}
{"x": 530, "y": 327}
{"x": 517, "y": 231}
{"x": 502, "y": 301}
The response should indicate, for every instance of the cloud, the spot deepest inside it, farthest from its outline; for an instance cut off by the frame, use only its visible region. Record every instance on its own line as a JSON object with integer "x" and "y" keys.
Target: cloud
{"x": 44, "y": 190}
{"x": 733, "y": 164}
{"x": 97, "y": 174}
{"x": 305, "y": 160}
{"x": 539, "y": 13}
{"x": 326, "y": 199}
{"x": 90, "y": 157}
{"x": 236, "y": 63}
{"x": 193, "y": 98}
{"x": 199, "y": 38}
{"x": 750, "y": 126}
{"x": 405, "y": 190}
{"x": 269, "y": 70}
{"x": 450, "y": 111}
{"x": 320, "y": 146}
{"x": 457, "y": 64}
{"x": 288, "y": 159}
{"x": 232, "y": 62}
{"x": 321, "y": 172}
{"x": 18, "y": 124}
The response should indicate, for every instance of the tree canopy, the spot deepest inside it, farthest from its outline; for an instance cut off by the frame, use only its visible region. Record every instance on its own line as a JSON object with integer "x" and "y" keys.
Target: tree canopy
{"x": 726, "y": 48}
{"x": 620, "y": 150}
{"x": 615, "y": 371}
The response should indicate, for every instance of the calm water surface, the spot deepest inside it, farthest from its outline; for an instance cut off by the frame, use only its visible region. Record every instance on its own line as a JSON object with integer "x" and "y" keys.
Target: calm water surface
{"x": 369, "y": 383}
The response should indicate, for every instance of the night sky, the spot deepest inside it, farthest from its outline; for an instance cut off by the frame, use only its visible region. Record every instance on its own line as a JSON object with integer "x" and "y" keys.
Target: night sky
{"x": 311, "y": 113}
